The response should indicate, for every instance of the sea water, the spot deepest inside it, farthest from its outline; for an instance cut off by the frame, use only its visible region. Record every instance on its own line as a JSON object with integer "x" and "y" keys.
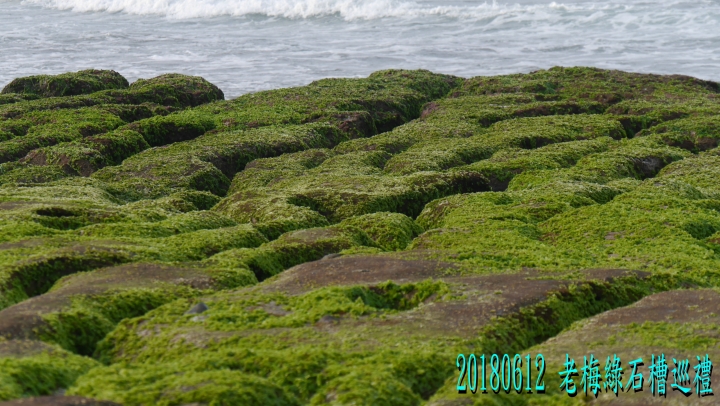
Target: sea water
{"x": 250, "y": 45}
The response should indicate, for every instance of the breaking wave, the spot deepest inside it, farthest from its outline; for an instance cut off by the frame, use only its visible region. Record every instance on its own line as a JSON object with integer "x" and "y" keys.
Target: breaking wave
{"x": 302, "y": 9}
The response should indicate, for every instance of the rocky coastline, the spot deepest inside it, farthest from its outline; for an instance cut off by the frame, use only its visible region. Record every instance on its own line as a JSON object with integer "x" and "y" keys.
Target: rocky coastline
{"x": 342, "y": 242}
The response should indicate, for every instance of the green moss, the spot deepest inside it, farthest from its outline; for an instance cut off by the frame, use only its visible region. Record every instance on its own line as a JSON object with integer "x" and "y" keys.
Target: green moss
{"x": 693, "y": 134}
{"x": 30, "y": 369}
{"x": 67, "y": 84}
{"x": 390, "y": 231}
{"x": 174, "y": 90}
{"x": 335, "y": 110}
{"x": 598, "y": 170}
{"x": 164, "y": 385}
{"x": 32, "y": 174}
{"x": 506, "y": 164}
{"x": 8, "y": 98}
{"x": 178, "y": 224}
{"x": 637, "y": 158}
{"x": 532, "y": 324}
{"x": 591, "y": 84}
{"x": 292, "y": 248}
{"x": 700, "y": 172}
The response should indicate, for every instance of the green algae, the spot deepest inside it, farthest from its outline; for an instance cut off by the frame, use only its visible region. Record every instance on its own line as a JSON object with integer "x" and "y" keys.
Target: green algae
{"x": 591, "y": 84}
{"x": 502, "y": 231}
{"x": 89, "y": 318}
{"x": 628, "y": 339}
{"x": 37, "y": 127}
{"x": 530, "y": 325}
{"x": 503, "y": 166}
{"x": 390, "y": 231}
{"x": 231, "y": 338}
{"x": 355, "y": 301}
{"x": 67, "y": 84}
{"x": 23, "y": 174}
{"x": 27, "y": 369}
{"x": 576, "y": 168}
{"x": 94, "y": 303}
{"x": 268, "y": 124}
{"x": 32, "y": 271}
{"x": 699, "y": 172}
{"x": 638, "y": 158}
{"x": 178, "y": 224}
{"x": 294, "y": 248}
{"x": 694, "y": 134}
{"x": 59, "y": 126}
{"x": 8, "y": 98}
{"x": 164, "y": 386}
{"x": 696, "y": 337}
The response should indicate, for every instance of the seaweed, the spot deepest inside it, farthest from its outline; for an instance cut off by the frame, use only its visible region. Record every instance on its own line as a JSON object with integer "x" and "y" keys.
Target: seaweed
{"x": 341, "y": 242}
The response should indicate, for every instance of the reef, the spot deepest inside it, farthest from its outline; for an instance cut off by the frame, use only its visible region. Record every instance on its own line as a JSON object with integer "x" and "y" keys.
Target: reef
{"x": 342, "y": 242}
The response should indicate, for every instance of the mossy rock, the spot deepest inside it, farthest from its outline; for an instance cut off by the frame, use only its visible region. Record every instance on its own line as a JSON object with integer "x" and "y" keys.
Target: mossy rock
{"x": 58, "y": 400}
{"x": 8, "y": 98}
{"x": 592, "y": 84}
{"x": 681, "y": 324}
{"x": 332, "y": 336}
{"x": 33, "y": 368}
{"x": 81, "y": 309}
{"x": 342, "y": 242}
{"x": 67, "y": 84}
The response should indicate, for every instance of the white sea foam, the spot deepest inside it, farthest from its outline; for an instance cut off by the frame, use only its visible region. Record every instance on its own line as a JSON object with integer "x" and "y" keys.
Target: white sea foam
{"x": 347, "y": 9}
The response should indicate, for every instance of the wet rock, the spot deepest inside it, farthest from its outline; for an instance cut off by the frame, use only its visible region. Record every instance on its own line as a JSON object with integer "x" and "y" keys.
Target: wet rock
{"x": 198, "y": 308}
{"x": 681, "y": 324}
{"x": 94, "y": 295}
{"x": 351, "y": 270}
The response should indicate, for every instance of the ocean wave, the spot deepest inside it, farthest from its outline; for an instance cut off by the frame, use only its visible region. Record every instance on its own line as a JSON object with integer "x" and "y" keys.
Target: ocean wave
{"x": 303, "y": 9}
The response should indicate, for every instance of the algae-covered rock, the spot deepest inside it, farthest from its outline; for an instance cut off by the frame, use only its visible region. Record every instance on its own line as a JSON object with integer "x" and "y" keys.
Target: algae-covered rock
{"x": 58, "y": 400}
{"x": 677, "y": 325}
{"x": 337, "y": 335}
{"x": 67, "y": 84}
{"x": 341, "y": 242}
{"x": 81, "y": 309}
{"x": 33, "y": 368}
